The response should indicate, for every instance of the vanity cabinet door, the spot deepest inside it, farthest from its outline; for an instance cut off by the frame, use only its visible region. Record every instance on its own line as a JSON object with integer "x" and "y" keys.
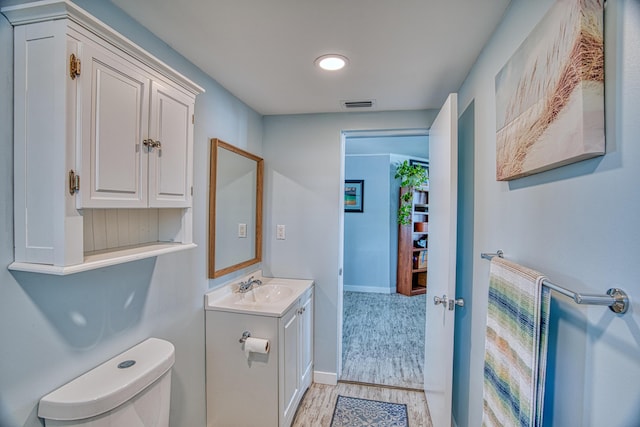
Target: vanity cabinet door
{"x": 306, "y": 340}
{"x": 115, "y": 120}
{"x": 289, "y": 359}
{"x": 170, "y": 161}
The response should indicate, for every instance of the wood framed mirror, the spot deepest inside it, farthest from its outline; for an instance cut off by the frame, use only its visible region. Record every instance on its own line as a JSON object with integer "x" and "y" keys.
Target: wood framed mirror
{"x": 235, "y": 209}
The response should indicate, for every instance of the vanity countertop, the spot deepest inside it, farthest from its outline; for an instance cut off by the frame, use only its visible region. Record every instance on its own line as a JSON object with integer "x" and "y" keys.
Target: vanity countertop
{"x": 273, "y": 298}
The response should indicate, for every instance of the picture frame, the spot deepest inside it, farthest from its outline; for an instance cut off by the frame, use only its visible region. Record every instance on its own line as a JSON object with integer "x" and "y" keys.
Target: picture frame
{"x": 354, "y": 195}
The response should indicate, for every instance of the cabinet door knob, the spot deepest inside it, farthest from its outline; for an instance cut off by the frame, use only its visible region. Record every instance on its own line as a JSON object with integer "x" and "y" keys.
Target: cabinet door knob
{"x": 150, "y": 143}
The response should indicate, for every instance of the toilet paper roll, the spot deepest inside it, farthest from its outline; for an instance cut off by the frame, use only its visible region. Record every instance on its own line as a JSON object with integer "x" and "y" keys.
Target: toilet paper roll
{"x": 256, "y": 345}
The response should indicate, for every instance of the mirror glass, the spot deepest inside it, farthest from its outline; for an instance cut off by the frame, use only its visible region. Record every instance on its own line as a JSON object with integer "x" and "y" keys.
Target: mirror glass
{"x": 235, "y": 209}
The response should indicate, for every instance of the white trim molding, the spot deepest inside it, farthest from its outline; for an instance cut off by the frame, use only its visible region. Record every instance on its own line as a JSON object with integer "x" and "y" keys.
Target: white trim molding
{"x": 329, "y": 378}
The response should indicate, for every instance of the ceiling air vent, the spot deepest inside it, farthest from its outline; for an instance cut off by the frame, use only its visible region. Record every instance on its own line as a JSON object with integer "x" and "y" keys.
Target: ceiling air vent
{"x": 351, "y": 105}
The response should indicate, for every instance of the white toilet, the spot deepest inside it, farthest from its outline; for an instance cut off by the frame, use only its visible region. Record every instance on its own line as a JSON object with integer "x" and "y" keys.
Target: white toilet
{"x": 133, "y": 389}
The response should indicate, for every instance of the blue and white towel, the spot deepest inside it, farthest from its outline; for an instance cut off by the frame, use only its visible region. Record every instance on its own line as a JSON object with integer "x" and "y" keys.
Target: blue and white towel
{"x": 516, "y": 346}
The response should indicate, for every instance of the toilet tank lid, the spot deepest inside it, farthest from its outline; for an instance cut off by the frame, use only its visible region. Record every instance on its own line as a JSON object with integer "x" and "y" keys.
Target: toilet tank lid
{"x": 108, "y": 385}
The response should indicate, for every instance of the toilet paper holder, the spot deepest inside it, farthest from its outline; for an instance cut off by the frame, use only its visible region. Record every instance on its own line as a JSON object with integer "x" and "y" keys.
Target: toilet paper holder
{"x": 245, "y": 335}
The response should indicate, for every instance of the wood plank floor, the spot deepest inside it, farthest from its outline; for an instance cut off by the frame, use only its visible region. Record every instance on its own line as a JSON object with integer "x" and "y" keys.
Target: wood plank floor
{"x": 316, "y": 408}
{"x": 383, "y": 339}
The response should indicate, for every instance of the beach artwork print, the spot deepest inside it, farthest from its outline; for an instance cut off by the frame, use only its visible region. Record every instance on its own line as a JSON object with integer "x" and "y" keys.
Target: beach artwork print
{"x": 550, "y": 94}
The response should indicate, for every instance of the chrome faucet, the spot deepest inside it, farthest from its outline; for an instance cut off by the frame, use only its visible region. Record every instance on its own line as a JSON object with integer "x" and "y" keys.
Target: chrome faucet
{"x": 248, "y": 285}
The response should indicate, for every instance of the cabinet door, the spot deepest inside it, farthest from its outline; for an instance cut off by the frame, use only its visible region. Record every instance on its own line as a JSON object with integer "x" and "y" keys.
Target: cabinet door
{"x": 289, "y": 372}
{"x": 170, "y": 162}
{"x": 306, "y": 341}
{"x": 115, "y": 118}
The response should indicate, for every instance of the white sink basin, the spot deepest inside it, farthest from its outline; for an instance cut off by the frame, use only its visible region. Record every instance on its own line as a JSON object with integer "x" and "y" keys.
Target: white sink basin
{"x": 272, "y": 298}
{"x": 265, "y": 294}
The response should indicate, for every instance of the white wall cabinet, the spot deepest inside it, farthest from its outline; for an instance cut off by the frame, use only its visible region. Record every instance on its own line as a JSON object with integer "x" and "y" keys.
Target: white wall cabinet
{"x": 91, "y": 104}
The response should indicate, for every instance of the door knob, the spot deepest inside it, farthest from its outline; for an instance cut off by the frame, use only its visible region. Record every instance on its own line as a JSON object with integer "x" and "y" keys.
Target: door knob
{"x": 438, "y": 300}
{"x": 453, "y": 302}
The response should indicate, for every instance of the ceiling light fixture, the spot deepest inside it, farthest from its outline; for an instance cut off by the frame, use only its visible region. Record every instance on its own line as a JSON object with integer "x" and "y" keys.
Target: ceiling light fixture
{"x": 331, "y": 62}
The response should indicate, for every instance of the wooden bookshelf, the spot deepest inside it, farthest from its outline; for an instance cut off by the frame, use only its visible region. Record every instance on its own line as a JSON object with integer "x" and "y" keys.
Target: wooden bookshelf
{"x": 413, "y": 246}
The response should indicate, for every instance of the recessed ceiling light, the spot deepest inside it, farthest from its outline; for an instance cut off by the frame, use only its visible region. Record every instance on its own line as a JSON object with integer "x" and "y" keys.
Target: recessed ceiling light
{"x": 331, "y": 62}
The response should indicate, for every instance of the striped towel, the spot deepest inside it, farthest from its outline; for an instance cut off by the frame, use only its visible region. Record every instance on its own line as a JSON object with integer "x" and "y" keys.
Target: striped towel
{"x": 516, "y": 346}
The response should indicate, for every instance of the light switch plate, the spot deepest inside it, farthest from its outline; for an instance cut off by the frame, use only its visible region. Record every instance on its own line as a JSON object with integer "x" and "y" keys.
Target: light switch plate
{"x": 280, "y": 232}
{"x": 242, "y": 230}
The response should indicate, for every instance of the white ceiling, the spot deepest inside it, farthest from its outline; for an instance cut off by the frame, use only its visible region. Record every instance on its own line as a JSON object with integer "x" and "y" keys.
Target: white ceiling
{"x": 404, "y": 54}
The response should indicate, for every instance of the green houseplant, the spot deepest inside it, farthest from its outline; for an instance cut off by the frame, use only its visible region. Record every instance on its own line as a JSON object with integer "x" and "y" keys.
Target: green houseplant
{"x": 411, "y": 176}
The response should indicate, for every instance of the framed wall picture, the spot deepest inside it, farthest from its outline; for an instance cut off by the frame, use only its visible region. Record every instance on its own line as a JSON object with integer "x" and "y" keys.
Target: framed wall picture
{"x": 354, "y": 195}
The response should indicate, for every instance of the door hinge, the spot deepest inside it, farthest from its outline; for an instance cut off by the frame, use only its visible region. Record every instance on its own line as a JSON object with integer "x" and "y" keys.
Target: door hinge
{"x": 74, "y": 182}
{"x": 74, "y": 66}
{"x": 193, "y": 118}
{"x": 192, "y": 190}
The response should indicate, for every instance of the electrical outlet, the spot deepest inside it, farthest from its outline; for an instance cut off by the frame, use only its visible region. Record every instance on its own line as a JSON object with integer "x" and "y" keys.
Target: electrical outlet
{"x": 280, "y": 232}
{"x": 242, "y": 230}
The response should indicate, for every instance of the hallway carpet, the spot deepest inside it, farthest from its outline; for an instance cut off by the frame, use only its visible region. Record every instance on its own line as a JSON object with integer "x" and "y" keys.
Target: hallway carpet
{"x": 383, "y": 339}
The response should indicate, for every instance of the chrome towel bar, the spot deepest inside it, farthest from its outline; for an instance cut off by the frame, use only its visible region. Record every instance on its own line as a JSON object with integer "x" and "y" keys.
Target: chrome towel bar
{"x": 616, "y": 298}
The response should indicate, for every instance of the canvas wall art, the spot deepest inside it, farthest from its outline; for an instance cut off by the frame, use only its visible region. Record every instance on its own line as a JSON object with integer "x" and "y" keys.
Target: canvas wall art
{"x": 550, "y": 94}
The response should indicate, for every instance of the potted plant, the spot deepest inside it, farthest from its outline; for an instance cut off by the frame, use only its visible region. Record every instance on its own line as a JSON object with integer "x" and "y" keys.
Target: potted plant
{"x": 411, "y": 176}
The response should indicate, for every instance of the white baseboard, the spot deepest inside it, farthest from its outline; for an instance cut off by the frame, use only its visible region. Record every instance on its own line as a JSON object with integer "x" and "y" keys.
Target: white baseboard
{"x": 329, "y": 378}
{"x": 371, "y": 289}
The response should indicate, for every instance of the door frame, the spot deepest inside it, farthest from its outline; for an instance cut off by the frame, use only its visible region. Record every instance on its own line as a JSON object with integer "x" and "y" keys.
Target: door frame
{"x": 344, "y": 135}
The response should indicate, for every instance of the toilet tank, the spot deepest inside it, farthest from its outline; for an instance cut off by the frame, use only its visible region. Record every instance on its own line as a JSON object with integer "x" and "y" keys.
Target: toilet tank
{"x": 132, "y": 389}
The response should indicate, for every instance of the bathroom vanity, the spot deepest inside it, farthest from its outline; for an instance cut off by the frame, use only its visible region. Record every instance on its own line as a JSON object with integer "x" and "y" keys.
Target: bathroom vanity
{"x": 253, "y": 388}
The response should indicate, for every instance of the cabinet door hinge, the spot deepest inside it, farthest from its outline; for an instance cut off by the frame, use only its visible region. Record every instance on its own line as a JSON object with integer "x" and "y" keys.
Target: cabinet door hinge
{"x": 74, "y": 66}
{"x": 74, "y": 182}
{"x": 192, "y": 190}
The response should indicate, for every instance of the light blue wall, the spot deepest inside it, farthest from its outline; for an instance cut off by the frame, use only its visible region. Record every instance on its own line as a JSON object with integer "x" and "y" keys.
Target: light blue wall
{"x": 367, "y": 234}
{"x": 40, "y": 345}
{"x": 303, "y": 179}
{"x": 578, "y": 224}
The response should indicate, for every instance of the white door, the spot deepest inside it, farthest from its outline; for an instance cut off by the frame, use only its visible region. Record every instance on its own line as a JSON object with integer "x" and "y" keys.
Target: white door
{"x": 289, "y": 360}
{"x": 170, "y": 160}
{"x": 115, "y": 120}
{"x": 443, "y": 186}
{"x": 306, "y": 342}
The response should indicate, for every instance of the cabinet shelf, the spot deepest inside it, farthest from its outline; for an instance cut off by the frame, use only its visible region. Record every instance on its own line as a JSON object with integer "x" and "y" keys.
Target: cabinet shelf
{"x": 99, "y": 259}
{"x": 418, "y": 290}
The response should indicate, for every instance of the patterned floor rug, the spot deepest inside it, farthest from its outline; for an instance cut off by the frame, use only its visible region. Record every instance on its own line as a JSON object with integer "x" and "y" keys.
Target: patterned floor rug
{"x": 354, "y": 412}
